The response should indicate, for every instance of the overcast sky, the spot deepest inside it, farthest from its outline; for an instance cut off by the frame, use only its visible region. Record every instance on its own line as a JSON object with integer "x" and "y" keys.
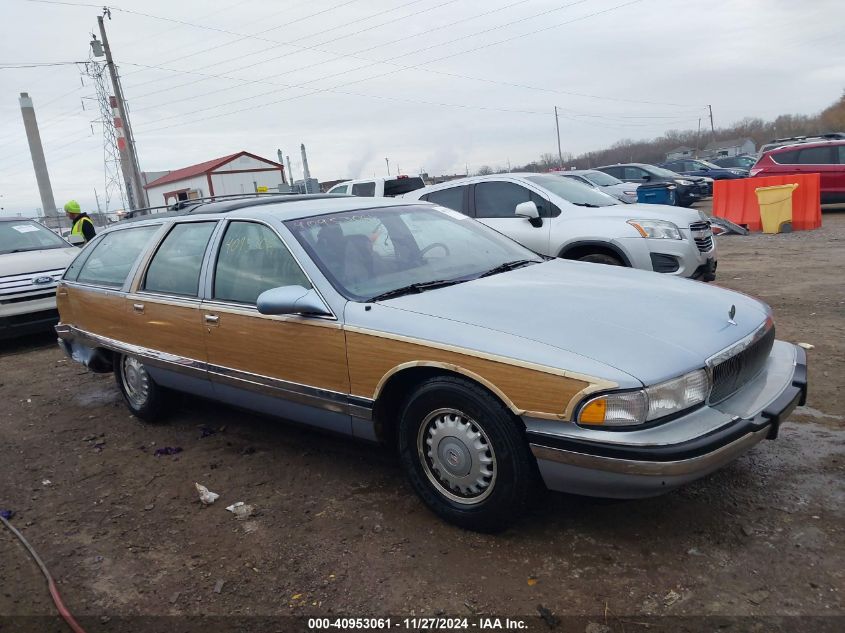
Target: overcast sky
{"x": 434, "y": 85}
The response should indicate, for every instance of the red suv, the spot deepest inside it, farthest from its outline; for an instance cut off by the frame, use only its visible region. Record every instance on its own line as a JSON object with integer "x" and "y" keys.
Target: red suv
{"x": 826, "y": 158}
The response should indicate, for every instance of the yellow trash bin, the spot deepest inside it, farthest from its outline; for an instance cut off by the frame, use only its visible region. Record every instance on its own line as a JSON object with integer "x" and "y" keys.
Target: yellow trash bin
{"x": 775, "y": 206}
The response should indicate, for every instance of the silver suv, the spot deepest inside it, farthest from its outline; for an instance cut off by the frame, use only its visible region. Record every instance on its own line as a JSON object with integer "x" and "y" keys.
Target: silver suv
{"x": 564, "y": 218}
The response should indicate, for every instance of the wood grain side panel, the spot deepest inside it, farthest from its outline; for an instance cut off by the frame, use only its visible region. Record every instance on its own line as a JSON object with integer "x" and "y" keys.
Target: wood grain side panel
{"x": 165, "y": 327}
{"x": 93, "y": 311}
{"x": 372, "y": 357}
{"x": 298, "y": 352}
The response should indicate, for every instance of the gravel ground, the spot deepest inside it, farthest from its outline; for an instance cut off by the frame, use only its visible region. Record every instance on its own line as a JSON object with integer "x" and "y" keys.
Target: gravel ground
{"x": 337, "y": 531}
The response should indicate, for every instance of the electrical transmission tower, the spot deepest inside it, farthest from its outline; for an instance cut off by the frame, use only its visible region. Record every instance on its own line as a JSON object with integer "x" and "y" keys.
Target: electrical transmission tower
{"x": 114, "y": 182}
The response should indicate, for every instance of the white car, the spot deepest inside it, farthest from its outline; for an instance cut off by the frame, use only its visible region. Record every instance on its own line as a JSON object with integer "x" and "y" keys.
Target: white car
{"x": 560, "y": 217}
{"x": 379, "y": 187}
{"x": 624, "y": 191}
{"x": 32, "y": 260}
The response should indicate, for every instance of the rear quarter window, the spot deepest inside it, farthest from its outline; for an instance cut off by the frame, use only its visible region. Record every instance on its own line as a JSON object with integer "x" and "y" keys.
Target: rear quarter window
{"x": 111, "y": 258}
{"x": 786, "y": 158}
{"x": 365, "y": 189}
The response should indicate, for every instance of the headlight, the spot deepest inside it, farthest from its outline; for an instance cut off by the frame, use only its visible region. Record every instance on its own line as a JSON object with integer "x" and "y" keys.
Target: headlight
{"x": 630, "y": 193}
{"x": 631, "y": 408}
{"x": 657, "y": 229}
{"x": 737, "y": 172}
{"x": 681, "y": 181}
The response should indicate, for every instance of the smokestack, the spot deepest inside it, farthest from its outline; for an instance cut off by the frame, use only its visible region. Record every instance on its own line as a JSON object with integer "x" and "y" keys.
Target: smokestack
{"x": 306, "y": 174}
{"x": 48, "y": 203}
{"x": 290, "y": 171}
{"x": 282, "y": 163}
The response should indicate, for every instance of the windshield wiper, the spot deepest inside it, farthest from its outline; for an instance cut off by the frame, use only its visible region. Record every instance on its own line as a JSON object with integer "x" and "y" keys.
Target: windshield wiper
{"x": 416, "y": 288}
{"x": 587, "y": 204}
{"x": 503, "y": 268}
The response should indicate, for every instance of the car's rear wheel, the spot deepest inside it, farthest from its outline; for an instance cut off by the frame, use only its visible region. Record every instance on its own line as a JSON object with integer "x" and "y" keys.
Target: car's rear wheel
{"x": 600, "y": 258}
{"x": 142, "y": 395}
{"x": 465, "y": 455}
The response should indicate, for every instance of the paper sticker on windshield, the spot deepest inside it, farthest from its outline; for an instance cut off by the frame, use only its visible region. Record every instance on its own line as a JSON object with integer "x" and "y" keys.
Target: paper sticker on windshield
{"x": 452, "y": 213}
{"x": 25, "y": 228}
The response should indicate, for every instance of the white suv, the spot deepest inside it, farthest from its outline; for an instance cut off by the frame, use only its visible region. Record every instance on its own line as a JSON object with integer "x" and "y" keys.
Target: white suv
{"x": 32, "y": 260}
{"x": 564, "y": 218}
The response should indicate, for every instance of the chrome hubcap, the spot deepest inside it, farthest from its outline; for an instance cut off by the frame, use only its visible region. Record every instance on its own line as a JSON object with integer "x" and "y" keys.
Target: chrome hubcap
{"x": 457, "y": 456}
{"x": 136, "y": 381}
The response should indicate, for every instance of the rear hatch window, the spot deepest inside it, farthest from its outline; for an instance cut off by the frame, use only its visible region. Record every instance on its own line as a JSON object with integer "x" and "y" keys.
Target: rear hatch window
{"x": 398, "y": 186}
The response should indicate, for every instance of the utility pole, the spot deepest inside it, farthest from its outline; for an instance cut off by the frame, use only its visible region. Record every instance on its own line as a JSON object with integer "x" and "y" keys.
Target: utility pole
{"x": 712, "y": 127}
{"x": 137, "y": 197}
{"x": 559, "y": 152}
{"x": 387, "y": 160}
{"x": 698, "y": 138}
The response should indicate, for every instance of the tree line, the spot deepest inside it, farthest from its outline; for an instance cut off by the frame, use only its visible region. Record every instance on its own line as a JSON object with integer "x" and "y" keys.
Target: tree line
{"x": 831, "y": 119}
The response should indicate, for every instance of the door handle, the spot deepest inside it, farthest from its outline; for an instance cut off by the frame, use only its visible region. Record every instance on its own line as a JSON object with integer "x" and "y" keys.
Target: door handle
{"x": 138, "y": 307}
{"x": 212, "y": 319}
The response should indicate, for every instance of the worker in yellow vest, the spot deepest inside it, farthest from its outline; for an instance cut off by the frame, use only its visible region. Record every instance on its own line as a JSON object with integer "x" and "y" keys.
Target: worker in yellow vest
{"x": 81, "y": 223}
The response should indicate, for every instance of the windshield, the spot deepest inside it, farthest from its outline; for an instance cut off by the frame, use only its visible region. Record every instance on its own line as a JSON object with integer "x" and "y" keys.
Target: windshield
{"x": 573, "y": 191}
{"x": 601, "y": 179}
{"x": 17, "y": 237}
{"x": 707, "y": 163}
{"x": 663, "y": 173}
{"x": 372, "y": 252}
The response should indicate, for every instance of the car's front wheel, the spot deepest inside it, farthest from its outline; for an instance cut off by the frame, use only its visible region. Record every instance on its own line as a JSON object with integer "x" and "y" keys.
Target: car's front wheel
{"x": 465, "y": 455}
{"x": 600, "y": 258}
{"x": 140, "y": 392}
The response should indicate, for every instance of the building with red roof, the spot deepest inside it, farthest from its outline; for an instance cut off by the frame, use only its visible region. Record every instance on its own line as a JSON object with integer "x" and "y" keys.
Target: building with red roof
{"x": 237, "y": 173}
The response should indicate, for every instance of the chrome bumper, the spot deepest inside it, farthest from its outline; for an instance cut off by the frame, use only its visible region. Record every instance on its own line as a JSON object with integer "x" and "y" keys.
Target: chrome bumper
{"x": 602, "y": 463}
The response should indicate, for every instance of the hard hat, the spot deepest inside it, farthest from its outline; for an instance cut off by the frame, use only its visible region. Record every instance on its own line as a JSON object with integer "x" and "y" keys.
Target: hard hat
{"x": 72, "y": 206}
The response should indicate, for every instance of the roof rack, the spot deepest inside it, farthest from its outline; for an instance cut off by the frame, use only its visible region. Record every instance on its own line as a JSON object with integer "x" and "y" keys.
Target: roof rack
{"x": 222, "y": 204}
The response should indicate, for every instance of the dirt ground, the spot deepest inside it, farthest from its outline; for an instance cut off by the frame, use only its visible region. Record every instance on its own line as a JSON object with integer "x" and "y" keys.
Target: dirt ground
{"x": 337, "y": 530}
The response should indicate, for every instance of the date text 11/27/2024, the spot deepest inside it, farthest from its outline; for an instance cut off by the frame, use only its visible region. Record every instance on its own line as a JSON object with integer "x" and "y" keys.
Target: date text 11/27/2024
{"x": 417, "y": 624}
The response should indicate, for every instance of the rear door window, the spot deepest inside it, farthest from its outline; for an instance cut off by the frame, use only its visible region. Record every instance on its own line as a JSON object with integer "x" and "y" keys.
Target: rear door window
{"x": 841, "y": 156}
{"x": 112, "y": 257}
{"x": 175, "y": 268}
{"x": 340, "y": 189}
{"x": 815, "y": 156}
{"x": 365, "y": 189}
{"x": 451, "y": 198}
{"x": 613, "y": 171}
{"x": 398, "y": 186}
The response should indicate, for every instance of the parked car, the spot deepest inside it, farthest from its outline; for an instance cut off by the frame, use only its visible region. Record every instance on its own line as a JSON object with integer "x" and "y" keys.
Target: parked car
{"x": 698, "y": 167}
{"x": 379, "y": 187}
{"x": 481, "y": 363}
{"x": 745, "y": 161}
{"x": 827, "y": 158}
{"x": 690, "y": 189}
{"x": 32, "y": 259}
{"x": 560, "y": 217}
{"x": 799, "y": 140}
{"x": 624, "y": 191}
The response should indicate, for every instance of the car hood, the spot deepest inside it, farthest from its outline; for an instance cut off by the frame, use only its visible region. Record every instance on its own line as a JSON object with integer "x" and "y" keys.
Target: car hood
{"x": 650, "y": 326}
{"x": 36, "y": 261}
{"x": 681, "y": 216}
{"x": 621, "y": 188}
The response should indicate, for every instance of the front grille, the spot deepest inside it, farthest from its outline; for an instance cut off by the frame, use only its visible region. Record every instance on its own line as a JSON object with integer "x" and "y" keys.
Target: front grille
{"x": 734, "y": 372}
{"x": 702, "y": 235}
{"x": 18, "y": 284}
{"x": 32, "y": 297}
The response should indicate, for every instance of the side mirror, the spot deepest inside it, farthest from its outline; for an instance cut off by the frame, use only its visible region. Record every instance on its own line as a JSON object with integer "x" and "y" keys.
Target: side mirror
{"x": 291, "y": 300}
{"x": 646, "y": 177}
{"x": 76, "y": 240}
{"x": 529, "y": 210}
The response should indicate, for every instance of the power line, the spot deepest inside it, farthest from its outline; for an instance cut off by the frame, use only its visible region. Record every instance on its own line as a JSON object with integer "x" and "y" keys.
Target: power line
{"x": 291, "y": 43}
{"x": 371, "y": 62}
{"x": 444, "y": 57}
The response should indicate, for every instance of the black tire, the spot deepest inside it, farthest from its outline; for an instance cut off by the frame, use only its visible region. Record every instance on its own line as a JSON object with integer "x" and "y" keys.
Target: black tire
{"x": 147, "y": 402}
{"x": 601, "y": 258}
{"x": 515, "y": 478}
